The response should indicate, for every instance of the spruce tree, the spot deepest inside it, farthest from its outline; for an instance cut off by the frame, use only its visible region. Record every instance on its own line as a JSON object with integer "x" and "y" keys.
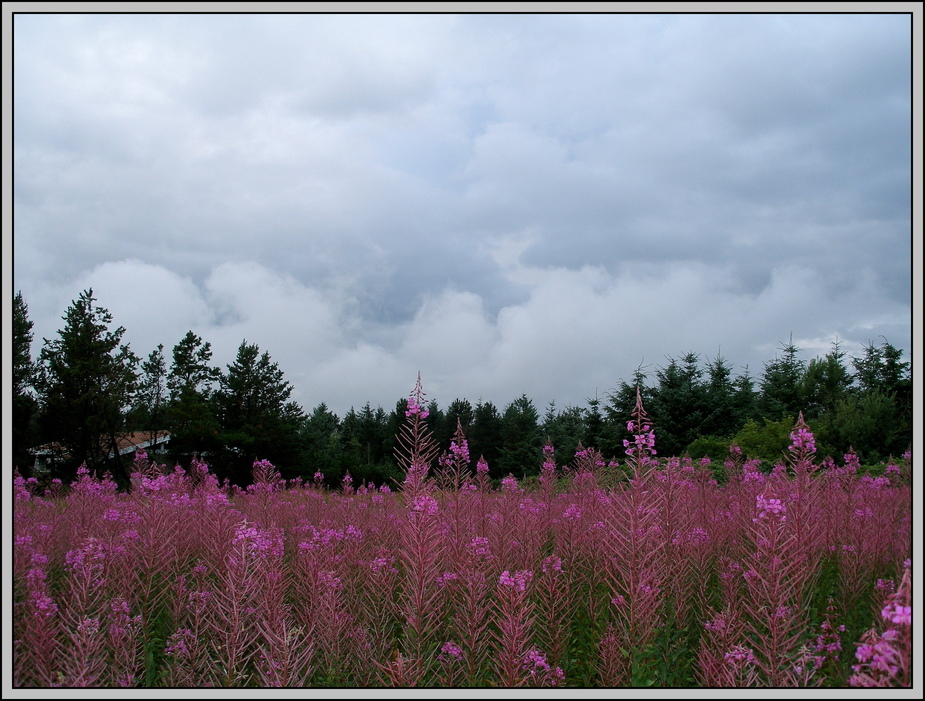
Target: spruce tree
{"x": 679, "y": 405}
{"x": 86, "y": 381}
{"x": 522, "y": 442}
{"x": 321, "y": 445}
{"x": 148, "y": 414}
{"x": 825, "y": 382}
{"x": 722, "y": 418}
{"x": 485, "y": 437}
{"x": 258, "y": 421}
{"x": 781, "y": 385}
{"x": 24, "y": 403}
{"x": 190, "y": 413}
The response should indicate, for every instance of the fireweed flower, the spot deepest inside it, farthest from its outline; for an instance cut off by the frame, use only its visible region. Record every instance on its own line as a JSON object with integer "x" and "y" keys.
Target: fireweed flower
{"x": 536, "y": 664}
{"x": 897, "y": 614}
{"x": 197, "y": 601}
{"x": 88, "y": 559}
{"x": 383, "y": 563}
{"x": 120, "y": 622}
{"x": 552, "y": 564}
{"x": 852, "y": 462}
{"x": 695, "y": 536}
{"x": 479, "y": 546}
{"x": 802, "y": 439}
{"x": 531, "y": 506}
{"x": 177, "y": 643}
{"x": 263, "y": 543}
{"x": 535, "y": 661}
{"x": 644, "y": 440}
{"x": 446, "y": 578}
{"x": 89, "y": 626}
{"x": 450, "y": 652}
{"x": 572, "y": 513}
{"x": 461, "y": 451}
{"x": 424, "y": 504}
{"x": 753, "y": 476}
{"x": 328, "y": 579}
{"x": 417, "y": 472}
{"x": 43, "y": 605}
{"x": 509, "y": 484}
{"x": 880, "y": 657}
{"x": 740, "y": 655}
{"x": 517, "y": 581}
{"x": 769, "y": 508}
{"x": 781, "y": 612}
{"x": 414, "y": 409}
{"x": 20, "y": 490}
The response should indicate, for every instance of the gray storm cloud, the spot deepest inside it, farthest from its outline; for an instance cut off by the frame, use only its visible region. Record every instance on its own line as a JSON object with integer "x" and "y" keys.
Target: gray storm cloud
{"x": 510, "y": 204}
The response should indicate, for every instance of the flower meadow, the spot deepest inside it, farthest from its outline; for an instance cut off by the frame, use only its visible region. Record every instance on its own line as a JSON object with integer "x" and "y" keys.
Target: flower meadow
{"x": 650, "y": 572}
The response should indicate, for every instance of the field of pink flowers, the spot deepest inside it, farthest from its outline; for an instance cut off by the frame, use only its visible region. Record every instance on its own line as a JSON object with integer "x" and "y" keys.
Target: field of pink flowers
{"x": 644, "y": 573}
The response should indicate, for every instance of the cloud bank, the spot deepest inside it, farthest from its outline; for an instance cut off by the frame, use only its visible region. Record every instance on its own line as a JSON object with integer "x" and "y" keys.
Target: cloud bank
{"x": 515, "y": 204}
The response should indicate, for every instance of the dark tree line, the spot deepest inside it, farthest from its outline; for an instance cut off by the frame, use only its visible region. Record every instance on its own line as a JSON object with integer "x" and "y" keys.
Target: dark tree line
{"x": 86, "y": 387}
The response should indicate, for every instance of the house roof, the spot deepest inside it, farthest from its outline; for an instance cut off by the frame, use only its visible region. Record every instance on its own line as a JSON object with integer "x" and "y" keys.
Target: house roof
{"x": 126, "y": 442}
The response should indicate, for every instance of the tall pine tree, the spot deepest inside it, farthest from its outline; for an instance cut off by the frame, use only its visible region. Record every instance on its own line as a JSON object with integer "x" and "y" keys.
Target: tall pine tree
{"x": 190, "y": 413}
{"x": 86, "y": 381}
{"x": 522, "y": 442}
{"x": 148, "y": 414}
{"x": 24, "y": 403}
{"x": 258, "y": 421}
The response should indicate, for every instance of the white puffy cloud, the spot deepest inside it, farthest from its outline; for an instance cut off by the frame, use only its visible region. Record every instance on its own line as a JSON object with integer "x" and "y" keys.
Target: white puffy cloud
{"x": 576, "y": 333}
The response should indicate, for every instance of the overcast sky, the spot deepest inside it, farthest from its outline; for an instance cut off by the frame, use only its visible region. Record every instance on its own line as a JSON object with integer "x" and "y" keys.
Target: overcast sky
{"x": 526, "y": 204}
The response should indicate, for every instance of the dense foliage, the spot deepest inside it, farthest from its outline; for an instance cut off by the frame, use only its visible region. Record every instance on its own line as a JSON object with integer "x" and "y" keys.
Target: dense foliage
{"x": 87, "y": 386}
{"x": 649, "y": 572}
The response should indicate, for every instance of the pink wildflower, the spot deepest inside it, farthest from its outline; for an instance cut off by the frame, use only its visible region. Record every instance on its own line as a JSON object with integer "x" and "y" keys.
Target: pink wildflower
{"x": 769, "y": 507}
{"x": 450, "y": 652}
{"x": 517, "y": 581}
{"x": 424, "y": 504}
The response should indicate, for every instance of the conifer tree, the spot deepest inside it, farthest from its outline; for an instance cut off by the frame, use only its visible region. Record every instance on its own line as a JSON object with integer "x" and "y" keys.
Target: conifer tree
{"x": 619, "y": 411}
{"x": 485, "y": 437}
{"x": 781, "y": 382}
{"x": 825, "y": 383}
{"x": 678, "y": 406}
{"x": 24, "y": 403}
{"x": 721, "y": 416}
{"x": 86, "y": 381}
{"x": 321, "y": 444}
{"x": 149, "y": 410}
{"x": 258, "y": 421}
{"x": 190, "y": 414}
{"x": 459, "y": 410}
{"x": 522, "y": 443}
